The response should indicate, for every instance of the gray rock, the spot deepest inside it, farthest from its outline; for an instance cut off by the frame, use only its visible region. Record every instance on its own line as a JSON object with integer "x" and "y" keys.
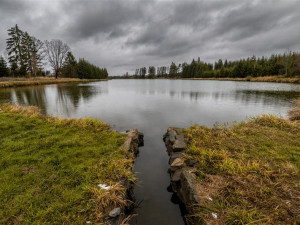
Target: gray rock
{"x": 176, "y": 176}
{"x": 172, "y": 136}
{"x": 174, "y": 156}
{"x": 179, "y": 146}
{"x": 115, "y": 212}
{"x": 180, "y": 137}
{"x": 188, "y": 190}
{"x": 178, "y": 162}
{"x": 167, "y": 140}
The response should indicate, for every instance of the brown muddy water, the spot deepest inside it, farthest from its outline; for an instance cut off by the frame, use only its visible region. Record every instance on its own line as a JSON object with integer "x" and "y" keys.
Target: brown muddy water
{"x": 152, "y": 106}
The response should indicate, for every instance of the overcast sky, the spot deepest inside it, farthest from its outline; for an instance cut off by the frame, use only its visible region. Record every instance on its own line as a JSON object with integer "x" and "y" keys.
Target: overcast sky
{"x": 122, "y": 35}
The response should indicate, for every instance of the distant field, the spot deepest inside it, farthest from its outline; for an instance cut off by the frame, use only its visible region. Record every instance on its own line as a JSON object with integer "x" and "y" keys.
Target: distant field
{"x": 50, "y": 168}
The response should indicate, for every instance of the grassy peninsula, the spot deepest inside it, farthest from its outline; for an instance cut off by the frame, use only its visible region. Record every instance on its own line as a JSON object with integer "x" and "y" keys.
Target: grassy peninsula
{"x": 247, "y": 173}
{"x": 18, "y": 82}
{"x": 50, "y": 168}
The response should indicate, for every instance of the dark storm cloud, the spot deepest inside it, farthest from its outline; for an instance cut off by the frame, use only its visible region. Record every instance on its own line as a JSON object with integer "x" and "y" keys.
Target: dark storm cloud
{"x": 250, "y": 19}
{"x": 108, "y": 17}
{"x": 124, "y": 34}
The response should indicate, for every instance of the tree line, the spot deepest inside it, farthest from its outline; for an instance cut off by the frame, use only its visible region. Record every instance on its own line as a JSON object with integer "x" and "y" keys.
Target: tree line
{"x": 287, "y": 64}
{"x": 28, "y": 56}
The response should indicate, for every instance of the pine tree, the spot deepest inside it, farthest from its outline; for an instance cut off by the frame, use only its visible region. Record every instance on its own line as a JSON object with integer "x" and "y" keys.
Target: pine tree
{"x": 14, "y": 46}
{"x": 69, "y": 68}
{"x": 33, "y": 53}
{"x": 27, "y": 46}
{"x": 4, "y": 72}
{"x": 14, "y": 70}
{"x": 151, "y": 71}
{"x": 173, "y": 70}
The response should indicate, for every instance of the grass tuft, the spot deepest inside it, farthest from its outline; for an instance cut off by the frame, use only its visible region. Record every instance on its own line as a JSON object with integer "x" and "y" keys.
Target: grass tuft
{"x": 294, "y": 113}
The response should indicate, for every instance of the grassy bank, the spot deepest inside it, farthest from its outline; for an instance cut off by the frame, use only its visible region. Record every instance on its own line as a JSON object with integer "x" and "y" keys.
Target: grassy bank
{"x": 50, "y": 168}
{"x": 247, "y": 173}
{"x": 15, "y": 82}
{"x": 294, "y": 113}
{"x": 276, "y": 79}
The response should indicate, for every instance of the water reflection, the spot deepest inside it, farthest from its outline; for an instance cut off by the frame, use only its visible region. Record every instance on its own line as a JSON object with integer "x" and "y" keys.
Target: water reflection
{"x": 29, "y": 96}
{"x": 282, "y": 98}
{"x": 61, "y": 99}
{"x": 152, "y": 106}
{"x": 265, "y": 97}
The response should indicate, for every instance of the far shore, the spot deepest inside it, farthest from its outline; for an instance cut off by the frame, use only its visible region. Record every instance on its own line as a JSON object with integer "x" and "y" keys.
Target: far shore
{"x": 276, "y": 79}
{"x": 6, "y": 82}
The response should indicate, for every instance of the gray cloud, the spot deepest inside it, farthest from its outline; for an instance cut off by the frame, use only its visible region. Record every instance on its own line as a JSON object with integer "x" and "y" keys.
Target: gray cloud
{"x": 124, "y": 34}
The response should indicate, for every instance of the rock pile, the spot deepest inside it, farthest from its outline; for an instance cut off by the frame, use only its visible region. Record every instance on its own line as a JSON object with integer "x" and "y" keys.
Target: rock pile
{"x": 182, "y": 172}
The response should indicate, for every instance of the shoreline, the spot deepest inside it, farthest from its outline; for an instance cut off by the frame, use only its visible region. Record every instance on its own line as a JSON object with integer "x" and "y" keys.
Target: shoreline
{"x": 211, "y": 166}
{"x": 70, "y": 157}
{"x": 43, "y": 81}
{"x": 275, "y": 79}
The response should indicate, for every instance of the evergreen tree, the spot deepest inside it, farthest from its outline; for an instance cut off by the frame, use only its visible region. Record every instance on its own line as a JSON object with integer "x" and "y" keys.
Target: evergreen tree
{"x": 25, "y": 52}
{"x": 36, "y": 55}
{"x": 69, "y": 69}
{"x": 86, "y": 70}
{"x": 4, "y": 72}
{"x": 173, "y": 70}
{"x": 14, "y": 70}
{"x": 151, "y": 71}
{"x": 14, "y": 46}
{"x": 27, "y": 47}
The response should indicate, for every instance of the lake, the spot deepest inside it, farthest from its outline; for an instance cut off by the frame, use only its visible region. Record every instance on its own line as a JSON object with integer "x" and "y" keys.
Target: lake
{"x": 152, "y": 106}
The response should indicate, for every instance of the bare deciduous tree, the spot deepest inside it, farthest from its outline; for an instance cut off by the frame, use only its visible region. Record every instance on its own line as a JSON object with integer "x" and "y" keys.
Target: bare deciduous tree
{"x": 56, "y": 52}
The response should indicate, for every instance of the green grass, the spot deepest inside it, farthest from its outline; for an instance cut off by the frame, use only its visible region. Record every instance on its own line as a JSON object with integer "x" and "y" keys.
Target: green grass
{"x": 50, "y": 168}
{"x": 250, "y": 170}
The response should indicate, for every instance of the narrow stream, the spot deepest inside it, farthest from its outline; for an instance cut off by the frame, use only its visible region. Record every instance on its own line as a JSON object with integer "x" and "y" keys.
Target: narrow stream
{"x": 152, "y": 106}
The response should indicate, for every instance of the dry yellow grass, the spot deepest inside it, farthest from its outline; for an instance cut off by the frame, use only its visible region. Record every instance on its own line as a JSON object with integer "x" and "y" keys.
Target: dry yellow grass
{"x": 249, "y": 170}
{"x": 15, "y": 82}
{"x": 276, "y": 79}
{"x": 294, "y": 113}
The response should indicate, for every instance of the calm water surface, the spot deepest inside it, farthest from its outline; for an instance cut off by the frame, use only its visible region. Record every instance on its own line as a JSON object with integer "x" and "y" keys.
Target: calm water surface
{"x": 152, "y": 106}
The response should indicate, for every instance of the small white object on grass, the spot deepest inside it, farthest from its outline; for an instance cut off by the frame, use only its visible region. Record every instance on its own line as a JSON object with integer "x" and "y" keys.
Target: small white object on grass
{"x": 215, "y": 215}
{"x": 209, "y": 198}
{"x": 88, "y": 221}
{"x": 104, "y": 186}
